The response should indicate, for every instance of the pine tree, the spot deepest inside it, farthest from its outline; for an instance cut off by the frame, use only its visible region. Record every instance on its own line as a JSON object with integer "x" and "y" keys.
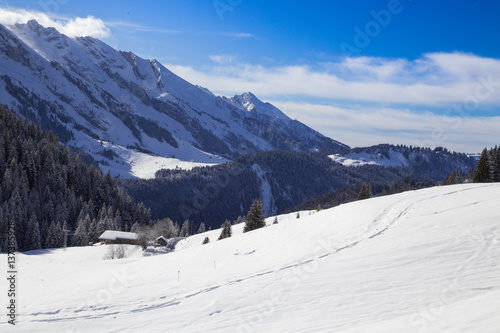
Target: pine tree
{"x": 176, "y": 230}
{"x": 222, "y": 232}
{"x": 496, "y": 165}
{"x": 55, "y": 236}
{"x": 100, "y": 227}
{"x": 238, "y": 220}
{"x": 59, "y": 234}
{"x": 65, "y": 234}
{"x": 33, "y": 234}
{"x": 81, "y": 232}
{"x": 118, "y": 220}
{"x": 452, "y": 178}
{"x": 482, "y": 173}
{"x": 51, "y": 239}
{"x": 93, "y": 232}
{"x": 255, "y": 217}
{"x": 226, "y": 230}
{"x": 206, "y": 240}
{"x": 366, "y": 192}
{"x": 185, "y": 229}
{"x": 201, "y": 229}
{"x": 229, "y": 229}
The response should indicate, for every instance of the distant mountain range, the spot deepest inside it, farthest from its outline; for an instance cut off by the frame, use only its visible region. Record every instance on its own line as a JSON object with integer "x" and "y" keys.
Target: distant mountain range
{"x": 133, "y": 115}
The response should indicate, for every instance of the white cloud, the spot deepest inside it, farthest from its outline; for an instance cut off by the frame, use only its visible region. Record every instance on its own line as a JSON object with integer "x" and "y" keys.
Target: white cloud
{"x": 238, "y": 35}
{"x": 364, "y": 126}
{"x": 222, "y": 59}
{"x": 434, "y": 80}
{"x": 394, "y": 89}
{"x": 137, "y": 27}
{"x": 73, "y": 27}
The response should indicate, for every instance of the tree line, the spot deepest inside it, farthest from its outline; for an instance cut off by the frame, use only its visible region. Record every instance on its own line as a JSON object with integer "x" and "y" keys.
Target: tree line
{"x": 488, "y": 166}
{"x": 51, "y": 196}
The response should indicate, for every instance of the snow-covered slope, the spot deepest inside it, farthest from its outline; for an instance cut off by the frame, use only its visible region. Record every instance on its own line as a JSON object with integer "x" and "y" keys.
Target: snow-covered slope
{"x": 88, "y": 93}
{"x": 420, "y": 261}
{"x": 402, "y": 156}
{"x": 396, "y": 159}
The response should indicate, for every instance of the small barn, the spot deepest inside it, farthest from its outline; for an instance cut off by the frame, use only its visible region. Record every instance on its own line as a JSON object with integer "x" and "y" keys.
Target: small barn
{"x": 161, "y": 241}
{"x": 119, "y": 237}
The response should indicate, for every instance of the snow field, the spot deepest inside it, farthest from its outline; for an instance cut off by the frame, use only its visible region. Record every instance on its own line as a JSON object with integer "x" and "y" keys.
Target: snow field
{"x": 419, "y": 261}
{"x": 358, "y": 159}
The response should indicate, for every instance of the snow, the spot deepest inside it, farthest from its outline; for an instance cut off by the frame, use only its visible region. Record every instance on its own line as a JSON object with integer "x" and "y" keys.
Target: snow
{"x": 358, "y": 159}
{"x": 250, "y": 103}
{"x": 113, "y": 235}
{"x": 132, "y": 163}
{"x": 419, "y": 261}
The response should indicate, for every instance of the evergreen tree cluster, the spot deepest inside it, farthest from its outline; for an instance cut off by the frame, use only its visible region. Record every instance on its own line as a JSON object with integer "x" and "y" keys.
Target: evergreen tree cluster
{"x": 226, "y": 230}
{"x": 366, "y": 192}
{"x": 51, "y": 197}
{"x": 488, "y": 166}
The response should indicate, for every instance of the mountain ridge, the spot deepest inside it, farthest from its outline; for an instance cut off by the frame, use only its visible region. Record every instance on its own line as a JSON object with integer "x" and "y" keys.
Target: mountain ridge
{"x": 96, "y": 96}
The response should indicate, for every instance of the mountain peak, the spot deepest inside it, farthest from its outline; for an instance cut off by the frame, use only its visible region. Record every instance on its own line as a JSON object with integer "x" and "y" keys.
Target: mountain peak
{"x": 34, "y": 25}
{"x": 252, "y": 103}
{"x": 249, "y": 95}
{"x": 39, "y": 29}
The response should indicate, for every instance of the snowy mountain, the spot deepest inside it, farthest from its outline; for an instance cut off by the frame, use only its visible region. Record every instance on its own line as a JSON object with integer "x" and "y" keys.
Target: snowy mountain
{"x": 420, "y": 261}
{"x": 123, "y": 109}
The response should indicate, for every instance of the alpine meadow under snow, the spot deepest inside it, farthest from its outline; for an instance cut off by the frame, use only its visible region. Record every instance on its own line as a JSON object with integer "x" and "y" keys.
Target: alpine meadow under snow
{"x": 419, "y": 261}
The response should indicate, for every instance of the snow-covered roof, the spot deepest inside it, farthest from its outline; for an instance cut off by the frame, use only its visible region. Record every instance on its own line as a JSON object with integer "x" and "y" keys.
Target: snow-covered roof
{"x": 162, "y": 237}
{"x": 114, "y": 235}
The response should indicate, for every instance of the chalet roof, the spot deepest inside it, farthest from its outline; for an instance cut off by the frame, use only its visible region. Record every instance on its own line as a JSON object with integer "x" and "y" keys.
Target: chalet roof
{"x": 114, "y": 235}
{"x": 161, "y": 237}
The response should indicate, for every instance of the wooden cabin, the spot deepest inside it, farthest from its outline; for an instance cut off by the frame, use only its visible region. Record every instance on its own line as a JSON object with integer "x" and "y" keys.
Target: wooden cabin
{"x": 161, "y": 241}
{"x": 119, "y": 237}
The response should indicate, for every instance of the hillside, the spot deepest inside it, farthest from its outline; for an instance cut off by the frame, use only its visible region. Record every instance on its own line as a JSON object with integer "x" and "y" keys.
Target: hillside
{"x": 50, "y": 196}
{"x": 282, "y": 179}
{"x": 116, "y": 105}
{"x": 404, "y": 156}
{"x": 424, "y": 260}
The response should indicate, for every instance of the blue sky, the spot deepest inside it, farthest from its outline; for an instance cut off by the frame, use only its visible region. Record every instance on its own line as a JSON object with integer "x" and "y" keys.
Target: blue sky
{"x": 416, "y": 72}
